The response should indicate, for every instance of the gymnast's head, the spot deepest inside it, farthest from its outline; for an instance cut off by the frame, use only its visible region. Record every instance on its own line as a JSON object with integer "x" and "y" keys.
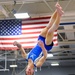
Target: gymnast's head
{"x": 29, "y": 70}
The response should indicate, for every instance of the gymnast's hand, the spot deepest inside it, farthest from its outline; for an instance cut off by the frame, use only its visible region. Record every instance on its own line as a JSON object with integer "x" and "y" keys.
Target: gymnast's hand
{"x": 40, "y": 43}
{"x": 17, "y": 44}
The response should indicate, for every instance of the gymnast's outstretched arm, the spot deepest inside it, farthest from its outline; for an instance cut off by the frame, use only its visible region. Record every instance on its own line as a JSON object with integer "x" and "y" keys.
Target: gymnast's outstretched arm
{"x": 43, "y": 58}
{"x": 24, "y": 54}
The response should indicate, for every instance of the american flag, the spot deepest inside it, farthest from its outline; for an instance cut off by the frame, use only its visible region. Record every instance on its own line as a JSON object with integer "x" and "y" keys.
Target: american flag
{"x": 25, "y": 31}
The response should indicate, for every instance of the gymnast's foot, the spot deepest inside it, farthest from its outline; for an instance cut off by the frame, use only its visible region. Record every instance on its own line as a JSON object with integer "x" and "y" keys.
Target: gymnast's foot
{"x": 59, "y": 9}
{"x": 17, "y": 44}
{"x": 58, "y": 5}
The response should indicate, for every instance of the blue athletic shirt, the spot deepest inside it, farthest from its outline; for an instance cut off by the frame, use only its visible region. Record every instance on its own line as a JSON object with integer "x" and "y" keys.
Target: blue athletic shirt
{"x": 36, "y": 53}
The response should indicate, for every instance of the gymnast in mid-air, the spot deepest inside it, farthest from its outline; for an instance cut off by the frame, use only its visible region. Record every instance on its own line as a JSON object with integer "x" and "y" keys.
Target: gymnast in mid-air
{"x": 37, "y": 55}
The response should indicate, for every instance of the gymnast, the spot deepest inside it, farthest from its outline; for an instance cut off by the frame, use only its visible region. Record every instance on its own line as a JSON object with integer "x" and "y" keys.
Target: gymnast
{"x": 37, "y": 56}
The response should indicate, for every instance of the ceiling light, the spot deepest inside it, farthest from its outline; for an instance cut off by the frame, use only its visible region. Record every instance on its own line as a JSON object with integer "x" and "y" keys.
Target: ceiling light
{"x": 21, "y": 15}
{"x": 49, "y": 55}
{"x": 54, "y": 64}
{"x": 13, "y": 65}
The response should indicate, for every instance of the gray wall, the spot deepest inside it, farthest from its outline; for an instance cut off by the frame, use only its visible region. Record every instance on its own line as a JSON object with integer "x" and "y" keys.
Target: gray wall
{"x": 44, "y": 71}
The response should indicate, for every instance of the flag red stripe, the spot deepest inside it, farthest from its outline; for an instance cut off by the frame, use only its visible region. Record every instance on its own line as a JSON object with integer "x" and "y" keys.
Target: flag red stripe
{"x": 35, "y": 23}
{"x": 54, "y": 40}
{"x": 8, "y": 43}
{"x": 8, "y": 48}
{"x": 31, "y": 32}
{"x": 33, "y": 28}
{"x": 23, "y": 37}
{"x": 27, "y": 46}
{"x": 17, "y": 38}
{"x": 55, "y": 44}
{"x": 55, "y": 34}
{"x": 14, "y": 48}
{"x": 37, "y": 18}
{"x": 20, "y": 38}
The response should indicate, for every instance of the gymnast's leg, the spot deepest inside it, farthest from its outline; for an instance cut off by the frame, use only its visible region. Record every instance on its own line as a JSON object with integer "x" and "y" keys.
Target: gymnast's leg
{"x": 53, "y": 24}
{"x": 48, "y": 31}
{"x": 52, "y": 19}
